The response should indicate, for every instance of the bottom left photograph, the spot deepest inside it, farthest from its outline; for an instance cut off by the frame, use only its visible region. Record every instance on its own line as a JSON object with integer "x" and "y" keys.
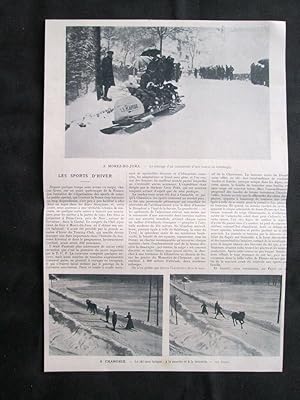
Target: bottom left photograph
{"x": 107, "y": 315}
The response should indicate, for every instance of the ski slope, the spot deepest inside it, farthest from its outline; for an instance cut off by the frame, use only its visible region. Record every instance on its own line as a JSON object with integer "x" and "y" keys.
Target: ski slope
{"x": 198, "y": 334}
{"x": 75, "y": 331}
{"x": 222, "y": 119}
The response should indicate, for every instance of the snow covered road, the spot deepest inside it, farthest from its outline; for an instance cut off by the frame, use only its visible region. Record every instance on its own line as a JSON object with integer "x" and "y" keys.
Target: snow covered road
{"x": 203, "y": 334}
{"x": 214, "y": 124}
{"x": 75, "y": 331}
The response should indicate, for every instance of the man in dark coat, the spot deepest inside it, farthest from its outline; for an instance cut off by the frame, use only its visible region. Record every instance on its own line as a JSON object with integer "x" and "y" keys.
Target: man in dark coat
{"x": 204, "y": 308}
{"x": 107, "y": 313}
{"x": 218, "y": 310}
{"x": 107, "y": 74}
{"x": 114, "y": 319}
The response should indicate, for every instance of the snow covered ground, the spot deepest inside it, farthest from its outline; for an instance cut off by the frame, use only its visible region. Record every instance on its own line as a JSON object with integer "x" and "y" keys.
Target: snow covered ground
{"x": 222, "y": 119}
{"x": 203, "y": 334}
{"x": 75, "y": 331}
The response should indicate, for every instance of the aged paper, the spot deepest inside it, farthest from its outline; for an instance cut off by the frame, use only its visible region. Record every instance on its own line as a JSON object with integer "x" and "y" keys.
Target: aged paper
{"x": 165, "y": 180}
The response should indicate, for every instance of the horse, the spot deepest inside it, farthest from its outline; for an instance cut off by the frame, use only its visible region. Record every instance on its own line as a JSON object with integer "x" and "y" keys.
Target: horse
{"x": 91, "y": 306}
{"x": 238, "y": 317}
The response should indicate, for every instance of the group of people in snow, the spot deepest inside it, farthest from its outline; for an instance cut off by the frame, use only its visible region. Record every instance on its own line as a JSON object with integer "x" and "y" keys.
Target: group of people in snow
{"x": 161, "y": 69}
{"x": 155, "y": 89}
{"x": 92, "y": 307}
{"x": 218, "y": 309}
{"x": 215, "y": 72}
{"x": 114, "y": 319}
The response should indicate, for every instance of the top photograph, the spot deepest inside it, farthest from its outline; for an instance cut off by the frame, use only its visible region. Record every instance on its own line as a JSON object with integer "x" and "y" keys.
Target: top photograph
{"x": 168, "y": 92}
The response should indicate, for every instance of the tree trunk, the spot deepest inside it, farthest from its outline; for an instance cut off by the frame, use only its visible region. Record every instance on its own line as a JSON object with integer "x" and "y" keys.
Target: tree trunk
{"x": 279, "y": 303}
{"x": 149, "y": 299}
{"x": 125, "y": 57}
{"x": 160, "y": 44}
{"x": 157, "y": 300}
{"x": 99, "y": 86}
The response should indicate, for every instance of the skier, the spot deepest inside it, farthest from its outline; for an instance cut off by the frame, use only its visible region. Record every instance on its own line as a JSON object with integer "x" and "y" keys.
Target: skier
{"x": 204, "y": 309}
{"x": 218, "y": 310}
{"x": 114, "y": 319}
{"x": 195, "y": 73}
{"x": 216, "y": 306}
{"x": 107, "y": 313}
{"x": 129, "y": 322}
{"x": 107, "y": 74}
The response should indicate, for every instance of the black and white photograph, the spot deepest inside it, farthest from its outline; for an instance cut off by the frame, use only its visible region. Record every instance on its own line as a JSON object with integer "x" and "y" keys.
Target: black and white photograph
{"x": 225, "y": 315}
{"x": 105, "y": 315}
{"x": 199, "y": 92}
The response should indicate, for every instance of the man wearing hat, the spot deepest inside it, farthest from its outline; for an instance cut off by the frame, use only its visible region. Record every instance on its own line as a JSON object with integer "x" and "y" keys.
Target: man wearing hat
{"x": 107, "y": 74}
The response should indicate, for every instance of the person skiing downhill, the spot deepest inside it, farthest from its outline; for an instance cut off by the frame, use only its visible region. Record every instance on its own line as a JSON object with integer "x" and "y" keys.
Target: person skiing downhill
{"x": 204, "y": 308}
{"x": 218, "y": 310}
{"x": 107, "y": 310}
{"x": 216, "y": 306}
{"x": 114, "y": 319}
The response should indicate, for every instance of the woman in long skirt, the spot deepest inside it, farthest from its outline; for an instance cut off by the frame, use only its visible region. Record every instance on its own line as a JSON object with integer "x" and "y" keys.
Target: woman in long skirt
{"x": 129, "y": 322}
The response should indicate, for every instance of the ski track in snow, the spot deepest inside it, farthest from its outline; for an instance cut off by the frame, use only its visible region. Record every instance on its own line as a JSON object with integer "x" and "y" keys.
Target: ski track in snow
{"x": 214, "y": 124}
{"x": 78, "y": 332}
{"x": 202, "y": 334}
{"x": 87, "y": 341}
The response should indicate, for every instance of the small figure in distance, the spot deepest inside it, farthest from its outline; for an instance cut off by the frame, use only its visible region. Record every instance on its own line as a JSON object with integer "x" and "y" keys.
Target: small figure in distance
{"x": 129, "y": 322}
{"x": 218, "y": 309}
{"x": 114, "y": 320}
{"x": 107, "y": 310}
{"x": 204, "y": 308}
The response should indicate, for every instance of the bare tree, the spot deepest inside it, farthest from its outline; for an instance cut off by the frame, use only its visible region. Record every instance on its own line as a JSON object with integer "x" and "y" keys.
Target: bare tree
{"x": 192, "y": 43}
{"x": 163, "y": 32}
{"x": 109, "y": 33}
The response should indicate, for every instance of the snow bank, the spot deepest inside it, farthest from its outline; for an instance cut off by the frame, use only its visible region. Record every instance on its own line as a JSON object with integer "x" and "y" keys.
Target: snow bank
{"x": 208, "y": 331}
{"x": 75, "y": 327}
{"x": 137, "y": 323}
{"x": 264, "y": 324}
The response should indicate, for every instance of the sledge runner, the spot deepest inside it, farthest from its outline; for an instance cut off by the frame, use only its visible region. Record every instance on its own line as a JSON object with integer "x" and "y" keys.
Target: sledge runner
{"x": 129, "y": 322}
{"x": 107, "y": 310}
{"x": 114, "y": 320}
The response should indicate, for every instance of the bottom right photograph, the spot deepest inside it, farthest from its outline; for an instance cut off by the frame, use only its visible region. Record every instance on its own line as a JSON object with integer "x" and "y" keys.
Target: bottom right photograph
{"x": 225, "y": 315}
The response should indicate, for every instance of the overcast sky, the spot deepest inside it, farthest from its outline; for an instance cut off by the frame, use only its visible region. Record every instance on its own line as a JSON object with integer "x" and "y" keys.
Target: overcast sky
{"x": 239, "y": 47}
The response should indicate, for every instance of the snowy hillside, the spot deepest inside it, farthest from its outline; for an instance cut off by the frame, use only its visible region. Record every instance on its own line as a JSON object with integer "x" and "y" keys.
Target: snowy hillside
{"x": 214, "y": 124}
{"x": 74, "y": 330}
{"x": 196, "y": 333}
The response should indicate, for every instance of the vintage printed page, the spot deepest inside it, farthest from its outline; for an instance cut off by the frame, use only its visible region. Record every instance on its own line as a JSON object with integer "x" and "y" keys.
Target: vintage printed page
{"x": 165, "y": 180}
